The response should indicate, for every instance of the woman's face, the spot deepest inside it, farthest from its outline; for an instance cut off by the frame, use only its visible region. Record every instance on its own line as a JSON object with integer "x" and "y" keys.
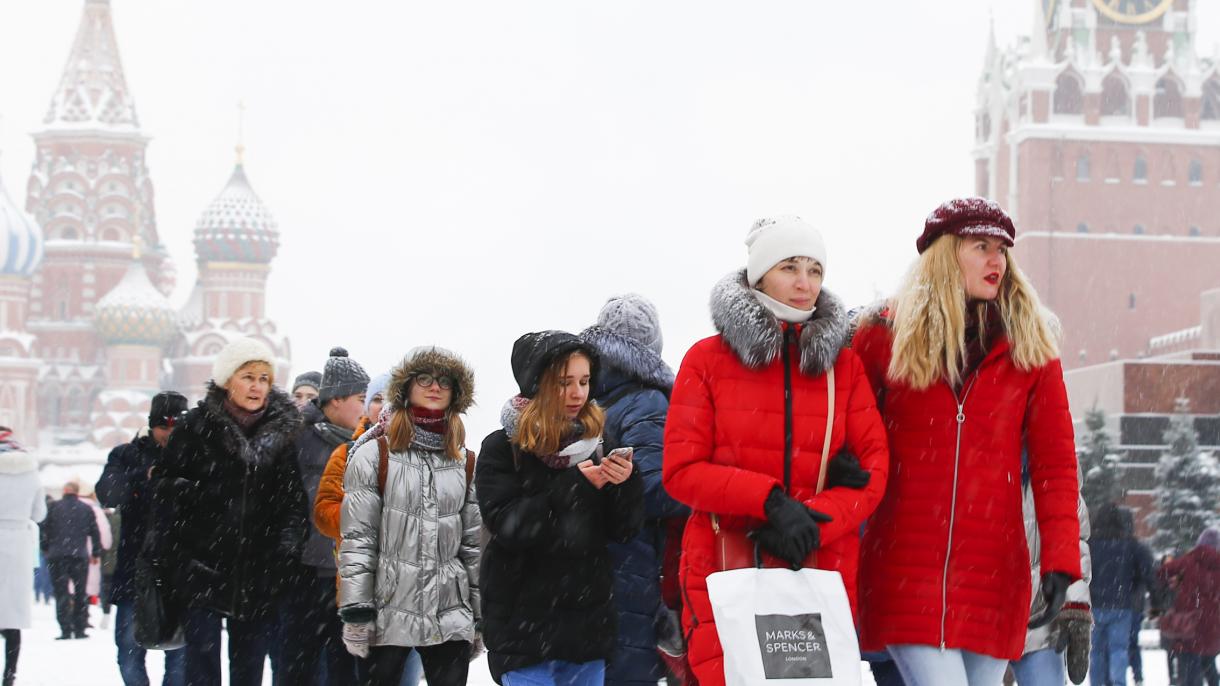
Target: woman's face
{"x": 249, "y": 386}
{"x": 983, "y": 261}
{"x": 375, "y": 406}
{"x": 431, "y": 391}
{"x": 796, "y": 282}
{"x": 574, "y": 385}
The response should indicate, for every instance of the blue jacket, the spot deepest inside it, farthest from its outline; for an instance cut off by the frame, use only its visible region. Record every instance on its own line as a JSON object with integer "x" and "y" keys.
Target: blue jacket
{"x": 122, "y": 486}
{"x": 633, "y": 383}
{"x": 1122, "y": 566}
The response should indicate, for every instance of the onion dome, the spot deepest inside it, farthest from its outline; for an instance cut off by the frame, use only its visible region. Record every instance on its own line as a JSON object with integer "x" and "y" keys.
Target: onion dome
{"x": 236, "y": 226}
{"x": 134, "y": 312}
{"x": 20, "y": 239}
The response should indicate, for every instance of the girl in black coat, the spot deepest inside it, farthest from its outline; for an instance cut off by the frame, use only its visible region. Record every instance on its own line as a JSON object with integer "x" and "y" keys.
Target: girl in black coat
{"x": 552, "y": 505}
{"x": 229, "y": 514}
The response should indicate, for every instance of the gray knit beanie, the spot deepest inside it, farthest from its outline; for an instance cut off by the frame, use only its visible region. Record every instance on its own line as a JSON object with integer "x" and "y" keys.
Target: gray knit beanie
{"x": 633, "y": 316}
{"x": 341, "y": 377}
{"x": 312, "y": 379}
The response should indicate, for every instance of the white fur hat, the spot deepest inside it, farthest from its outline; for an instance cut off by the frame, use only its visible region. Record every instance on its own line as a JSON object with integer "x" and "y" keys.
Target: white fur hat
{"x": 236, "y": 354}
{"x": 776, "y": 239}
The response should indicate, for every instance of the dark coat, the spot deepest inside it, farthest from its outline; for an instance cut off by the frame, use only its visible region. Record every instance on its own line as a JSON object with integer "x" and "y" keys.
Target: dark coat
{"x": 1122, "y": 566}
{"x": 1196, "y": 577}
{"x": 633, "y": 387}
{"x": 229, "y": 512}
{"x": 123, "y": 486}
{"x": 546, "y": 573}
{"x": 316, "y": 440}
{"x": 69, "y": 525}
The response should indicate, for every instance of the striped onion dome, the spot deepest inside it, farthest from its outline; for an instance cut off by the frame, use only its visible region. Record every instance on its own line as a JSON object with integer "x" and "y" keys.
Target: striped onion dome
{"x": 236, "y": 226}
{"x": 20, "y": 239}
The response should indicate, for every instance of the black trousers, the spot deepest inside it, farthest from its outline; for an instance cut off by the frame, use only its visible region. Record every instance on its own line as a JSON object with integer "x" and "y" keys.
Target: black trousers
{"x": 446, "y": 664}
{"x": 72, "y": 611}
{"x": 12, "y": 650}
{"x": 310, "y": 628}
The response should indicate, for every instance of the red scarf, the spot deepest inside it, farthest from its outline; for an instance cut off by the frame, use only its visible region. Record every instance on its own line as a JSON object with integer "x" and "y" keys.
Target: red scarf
{"x": 429, "y": 420}
{"x": 244, "y": 418}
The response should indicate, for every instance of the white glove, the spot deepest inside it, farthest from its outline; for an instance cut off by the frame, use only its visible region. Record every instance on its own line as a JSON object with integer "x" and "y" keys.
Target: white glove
{"x": 356, "y": 638}
{"x": 476, "y": 647}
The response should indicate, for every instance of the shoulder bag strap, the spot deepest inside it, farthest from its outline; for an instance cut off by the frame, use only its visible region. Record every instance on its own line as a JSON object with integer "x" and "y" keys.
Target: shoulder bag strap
{"x": 383, "y": 463}
{"x": 830, "y": 425}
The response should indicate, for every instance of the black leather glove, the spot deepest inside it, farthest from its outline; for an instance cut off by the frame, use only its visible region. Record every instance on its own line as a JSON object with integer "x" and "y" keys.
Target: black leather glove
{"x": 792, "y": 530}
{"x": 1054, "y": 591}
{"x": 845, "y": 470}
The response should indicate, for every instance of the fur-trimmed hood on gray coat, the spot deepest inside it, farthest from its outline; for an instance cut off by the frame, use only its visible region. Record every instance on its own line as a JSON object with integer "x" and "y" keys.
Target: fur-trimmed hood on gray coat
{"x": 755, "y": 334}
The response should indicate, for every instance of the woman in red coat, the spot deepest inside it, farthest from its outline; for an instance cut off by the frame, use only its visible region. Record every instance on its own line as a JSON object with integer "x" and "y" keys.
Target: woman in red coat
{"x": 747, "y": 419}
{"x": 965, "y": 367}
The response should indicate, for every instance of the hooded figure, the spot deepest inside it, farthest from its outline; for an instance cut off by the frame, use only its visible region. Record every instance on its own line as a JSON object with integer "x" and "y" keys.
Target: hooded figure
{"x": 551, "y": 509}
{"x": 633, "y": 389}
{"x": 1194, "y": 619}
{"x": 21, "y": 507}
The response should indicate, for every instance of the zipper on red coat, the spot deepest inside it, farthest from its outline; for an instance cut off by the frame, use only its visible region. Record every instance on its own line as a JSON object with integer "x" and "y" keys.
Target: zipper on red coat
{"x": 787, "y": 358}
{"x": 957, "y": 454}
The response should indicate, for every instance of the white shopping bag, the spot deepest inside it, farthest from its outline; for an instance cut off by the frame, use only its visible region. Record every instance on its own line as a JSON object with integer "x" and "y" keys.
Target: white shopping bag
{"x": 779, "y": 626}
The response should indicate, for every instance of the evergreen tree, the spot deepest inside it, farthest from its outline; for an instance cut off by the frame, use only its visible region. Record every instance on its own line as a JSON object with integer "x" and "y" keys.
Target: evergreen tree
{"x": 1188, "y": 486}
{"x": 1099, "y": 464}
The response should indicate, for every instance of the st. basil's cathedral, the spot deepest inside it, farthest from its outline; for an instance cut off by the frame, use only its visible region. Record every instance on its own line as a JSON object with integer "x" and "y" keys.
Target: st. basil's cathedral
{"x": 88, "y": 333}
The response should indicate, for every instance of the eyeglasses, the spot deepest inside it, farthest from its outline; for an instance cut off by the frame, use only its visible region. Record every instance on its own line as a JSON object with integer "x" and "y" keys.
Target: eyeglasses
{"x": 426, "y": 380}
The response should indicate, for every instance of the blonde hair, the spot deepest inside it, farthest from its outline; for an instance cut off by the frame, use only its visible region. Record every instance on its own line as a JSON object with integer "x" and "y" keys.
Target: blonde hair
{"x": 543, "y": 424}
{"x": 929, "y": 320}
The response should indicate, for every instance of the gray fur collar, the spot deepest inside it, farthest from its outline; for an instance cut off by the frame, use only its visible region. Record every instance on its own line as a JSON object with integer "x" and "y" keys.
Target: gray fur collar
{"x": 630, "y": 358}
{"x": 276, "y": 431}
{"x": 755, "y": 335}
{"x": 17, "y": 462}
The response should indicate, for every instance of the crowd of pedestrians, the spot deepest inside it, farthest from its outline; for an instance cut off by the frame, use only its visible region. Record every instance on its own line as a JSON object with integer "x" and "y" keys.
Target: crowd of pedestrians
{"x": 347, "y": 532}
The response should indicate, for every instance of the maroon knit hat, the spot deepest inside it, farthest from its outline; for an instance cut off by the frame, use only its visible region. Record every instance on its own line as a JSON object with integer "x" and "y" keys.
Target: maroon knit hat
{"x": 967, "y": 217}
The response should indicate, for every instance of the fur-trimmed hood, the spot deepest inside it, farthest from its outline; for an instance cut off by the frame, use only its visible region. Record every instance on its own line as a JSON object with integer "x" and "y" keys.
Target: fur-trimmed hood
{"x": 755, "y": 335}
{"x": 17, "y": 462}
{"x": 629, "y": 358}
{"x": 434, "y": 360}
{"x": 277, "y": 429}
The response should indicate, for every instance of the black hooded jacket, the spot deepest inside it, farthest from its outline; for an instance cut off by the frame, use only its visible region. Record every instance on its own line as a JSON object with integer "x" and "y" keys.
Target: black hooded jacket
{"x": 229, "y": 513}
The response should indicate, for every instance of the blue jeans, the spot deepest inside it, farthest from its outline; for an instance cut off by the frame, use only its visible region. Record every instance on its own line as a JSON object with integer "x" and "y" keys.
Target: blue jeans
{"x": 931, "y": 666}
{"x": 1040, "y": 668}
{"x": 131, "y": 655}
{"x": 558, "y": 673}
{"x": 249, "y": 641}
{"x": 1111, "y": 636}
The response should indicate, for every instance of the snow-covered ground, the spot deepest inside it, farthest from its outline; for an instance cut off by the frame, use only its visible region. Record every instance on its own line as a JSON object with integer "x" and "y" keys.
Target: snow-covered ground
{"x": 91, "y": 661}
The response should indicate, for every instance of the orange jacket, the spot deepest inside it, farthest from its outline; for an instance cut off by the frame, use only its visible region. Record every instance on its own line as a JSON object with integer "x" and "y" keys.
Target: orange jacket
{"x": 329, "y": 502}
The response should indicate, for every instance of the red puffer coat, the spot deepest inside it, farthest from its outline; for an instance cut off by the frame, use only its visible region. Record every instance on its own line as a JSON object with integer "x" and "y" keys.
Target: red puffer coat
{"x": 724, "y": 441}
{"x": 944, "y": 561}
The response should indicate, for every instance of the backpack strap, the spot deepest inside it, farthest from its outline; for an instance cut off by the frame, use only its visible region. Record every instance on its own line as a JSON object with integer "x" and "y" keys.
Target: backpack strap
{"x": 469, "y": 468}
{"x": 383, "y": 463}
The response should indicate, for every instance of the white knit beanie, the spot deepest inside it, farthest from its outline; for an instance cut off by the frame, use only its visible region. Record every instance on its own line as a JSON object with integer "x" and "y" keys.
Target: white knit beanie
{"x": 775, "y": 239}
{"x": 236, "y": 354}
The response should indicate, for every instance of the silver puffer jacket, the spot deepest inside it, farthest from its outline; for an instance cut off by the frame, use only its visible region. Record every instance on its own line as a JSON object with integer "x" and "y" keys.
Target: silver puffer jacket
{"x": 411, "y": 557}
{"x": 1078, "y": 592}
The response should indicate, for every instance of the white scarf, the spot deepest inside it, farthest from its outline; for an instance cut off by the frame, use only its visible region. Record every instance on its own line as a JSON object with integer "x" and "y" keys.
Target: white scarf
{"x": 784, "y": 313}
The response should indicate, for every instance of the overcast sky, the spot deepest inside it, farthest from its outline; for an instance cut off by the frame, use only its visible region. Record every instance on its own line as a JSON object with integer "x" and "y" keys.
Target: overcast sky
{"x": 462, "y": 172}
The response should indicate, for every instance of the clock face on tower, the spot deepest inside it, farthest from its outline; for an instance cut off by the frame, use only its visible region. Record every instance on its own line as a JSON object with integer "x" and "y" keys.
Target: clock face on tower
{"x": 1133, "y": 11}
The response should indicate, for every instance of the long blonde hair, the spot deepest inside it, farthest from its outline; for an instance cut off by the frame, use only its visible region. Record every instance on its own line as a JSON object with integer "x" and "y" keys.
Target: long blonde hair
{"x": 543, "y": 423}
{"x": 929, "y": 320}
{"x": 402, "y": 429}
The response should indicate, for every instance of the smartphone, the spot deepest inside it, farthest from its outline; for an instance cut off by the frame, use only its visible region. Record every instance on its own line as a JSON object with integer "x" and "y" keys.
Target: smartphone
{"x": 622, "y": 453}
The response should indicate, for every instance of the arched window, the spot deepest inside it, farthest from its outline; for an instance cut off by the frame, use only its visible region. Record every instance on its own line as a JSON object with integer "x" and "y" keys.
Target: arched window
{"x": 1131, "y": 301}
{"x": 1082, "y": 167}
{"x": 1194, "y": 231}
{"x": 110, "y": 234}
{"x": 1140, "y": 175}
{"x": 1069, "y": 94}
{"x": 67, "y": 234}
{"x": 1196, "y": 173}
{"x": 1138, "y": 230}
{"x": 1082, "y": 228}
{"x": 1168, "y": 99}
{"x": 1115, "y": 99}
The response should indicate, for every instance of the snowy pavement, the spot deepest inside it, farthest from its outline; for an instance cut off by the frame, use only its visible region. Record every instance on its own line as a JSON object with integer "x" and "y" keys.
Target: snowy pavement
{"x": 92, "y": 661}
